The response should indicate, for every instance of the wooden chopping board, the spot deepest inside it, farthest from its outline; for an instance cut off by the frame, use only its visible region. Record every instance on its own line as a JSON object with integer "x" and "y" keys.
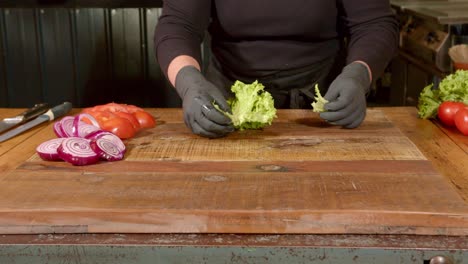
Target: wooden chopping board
{"x": 299, "y": 175}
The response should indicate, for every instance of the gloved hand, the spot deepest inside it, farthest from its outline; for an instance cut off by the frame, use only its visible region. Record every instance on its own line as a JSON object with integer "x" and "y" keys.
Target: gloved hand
{"x": 198, "y": 95}
{"x": 347, "y": 97}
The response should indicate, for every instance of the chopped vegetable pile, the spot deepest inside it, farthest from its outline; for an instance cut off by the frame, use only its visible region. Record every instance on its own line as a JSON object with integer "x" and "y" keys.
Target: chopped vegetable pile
{"x": 452, "y": 88}
{"x": 95, "y": 134}
{"x": 252, "y": 107}
{"x": 318, "y": 105}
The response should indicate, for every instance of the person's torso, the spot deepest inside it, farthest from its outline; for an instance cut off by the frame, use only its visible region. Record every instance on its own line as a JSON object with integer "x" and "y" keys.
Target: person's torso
{"x": 260, "y": 37}
{"x": 304, "y": 20}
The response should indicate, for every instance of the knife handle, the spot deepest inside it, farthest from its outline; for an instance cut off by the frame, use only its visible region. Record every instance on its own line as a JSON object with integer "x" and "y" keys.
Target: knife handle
{"x": 59, "y": 111}
{"x": 36, "y": 110}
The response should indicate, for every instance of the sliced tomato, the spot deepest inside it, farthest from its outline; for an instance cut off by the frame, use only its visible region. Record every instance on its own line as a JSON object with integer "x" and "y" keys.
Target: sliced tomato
{"x": 145, "y": 119}
{"x": 133, "y": 120}
{"x": 88, "y": 110}
{"x": 91, "y": 112}
{"x": 132, "y": 108}
{"x": 121, "y": 127}
{"x": 111, "y": 107}
{"x": 108, "y": 121}
{"x": 121, "y": 119}
{"x": 102, "y": 116}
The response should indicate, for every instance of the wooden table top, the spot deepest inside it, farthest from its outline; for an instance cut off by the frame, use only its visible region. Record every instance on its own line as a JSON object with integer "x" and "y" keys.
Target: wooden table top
{"x": 396, "y": 174}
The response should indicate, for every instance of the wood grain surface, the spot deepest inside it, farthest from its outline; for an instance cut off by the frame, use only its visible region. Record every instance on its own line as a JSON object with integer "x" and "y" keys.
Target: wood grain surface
{"x": 445, "y": 148}
{"x": 299, "y": 175}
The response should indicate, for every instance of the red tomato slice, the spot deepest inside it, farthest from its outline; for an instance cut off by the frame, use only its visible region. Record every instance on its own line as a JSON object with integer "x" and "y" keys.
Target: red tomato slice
{"x": 132, "y": 108}
{"x": 102, "y": 116}
{"x": 121, "y": 127}
{"x": 108, "y": 121}
{"x": 96, "y": 114}
{"x": 133, "y": 120}
{"x": 111, "y": 107}
{"x": 87, "y": 110}
{"x": 145, "y": 119}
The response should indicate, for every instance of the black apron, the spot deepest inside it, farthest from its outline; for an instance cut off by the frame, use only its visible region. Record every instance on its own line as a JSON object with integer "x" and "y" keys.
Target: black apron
{"x": 293, "y": 89}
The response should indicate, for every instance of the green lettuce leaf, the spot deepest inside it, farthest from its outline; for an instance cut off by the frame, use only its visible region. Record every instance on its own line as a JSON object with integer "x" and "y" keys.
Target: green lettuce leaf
{"x": 252, "y": 107}
{"x": 428, "y": 102}
{"x": 318, "y": 105}
{"x": 453, "y": 87}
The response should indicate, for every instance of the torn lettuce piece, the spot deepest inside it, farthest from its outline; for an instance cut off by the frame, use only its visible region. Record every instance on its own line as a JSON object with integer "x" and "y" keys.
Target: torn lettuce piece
{"x": 252, "y": 107}
{"x": 318, "y": 105}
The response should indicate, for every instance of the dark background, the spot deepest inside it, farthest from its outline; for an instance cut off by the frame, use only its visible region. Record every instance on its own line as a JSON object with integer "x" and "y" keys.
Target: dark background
{"x": 81, "y": 3}
{"x": 86, "y": 52}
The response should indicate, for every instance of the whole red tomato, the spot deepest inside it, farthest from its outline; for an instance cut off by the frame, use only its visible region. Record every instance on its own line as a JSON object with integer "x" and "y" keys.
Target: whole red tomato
{"x": 461, "y": 121}
{"x": 447, "y": 111}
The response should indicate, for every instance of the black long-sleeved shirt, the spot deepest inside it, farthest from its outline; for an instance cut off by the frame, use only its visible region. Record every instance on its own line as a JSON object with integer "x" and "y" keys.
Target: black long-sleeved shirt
{"x": 256, "y": 37}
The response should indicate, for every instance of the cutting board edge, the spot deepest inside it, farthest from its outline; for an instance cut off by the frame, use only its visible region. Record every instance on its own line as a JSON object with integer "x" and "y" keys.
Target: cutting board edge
{"x": 335, "y": 222}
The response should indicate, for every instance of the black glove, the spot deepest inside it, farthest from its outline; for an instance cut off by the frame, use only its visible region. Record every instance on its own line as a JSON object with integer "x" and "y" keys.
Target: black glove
{"x": 198, "y": 96}
{"x": 347, "y": 97}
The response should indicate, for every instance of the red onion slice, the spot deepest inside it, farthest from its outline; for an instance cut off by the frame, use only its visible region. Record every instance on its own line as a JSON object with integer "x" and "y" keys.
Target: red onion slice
{"x": 106, "y": 149}
{"x": 91, "y": 118}
{"x": 58, "y": 129}
{"x": 109, "y": 136}
{"x": 77, "y": 151}
{"x": 67, "y": 126}
{"x": 48, "y": 150}
{"x": 83, "y": 129}
{"x": 77, "y": 124}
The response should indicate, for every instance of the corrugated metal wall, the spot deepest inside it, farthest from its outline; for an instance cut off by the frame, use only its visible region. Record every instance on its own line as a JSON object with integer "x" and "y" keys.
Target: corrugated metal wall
{"x": 86, "y": 56}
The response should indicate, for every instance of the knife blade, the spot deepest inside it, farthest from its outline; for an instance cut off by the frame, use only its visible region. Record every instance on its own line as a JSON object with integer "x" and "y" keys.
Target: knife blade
{"x": 36, "y": 110}
{"x": 51, "y": 114}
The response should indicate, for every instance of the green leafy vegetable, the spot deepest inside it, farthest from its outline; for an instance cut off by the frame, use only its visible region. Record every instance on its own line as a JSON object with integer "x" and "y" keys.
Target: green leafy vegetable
{"x": 454, "y": 88}
{"x": 429, "y": 101}
{"x": 252, "y": 107}
{"x": 318, "y": 105}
